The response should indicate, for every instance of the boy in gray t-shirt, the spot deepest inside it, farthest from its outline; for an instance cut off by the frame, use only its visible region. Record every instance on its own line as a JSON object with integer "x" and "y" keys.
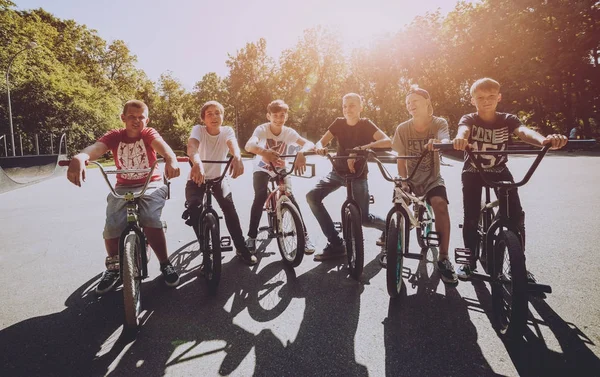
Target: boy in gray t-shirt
{"x": 410, "y": 139}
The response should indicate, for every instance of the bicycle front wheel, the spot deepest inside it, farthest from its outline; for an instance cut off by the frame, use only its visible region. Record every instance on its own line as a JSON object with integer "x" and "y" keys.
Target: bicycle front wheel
{"x": 353, "y": 237}
{"x": 211, "y": 252}
{"x": 395, "y": 253}
{"x": 509, "y": 286}
{"x": 290, "y": 235}
{"x": 485, "y": 220}
{"x": 131, "y": 267}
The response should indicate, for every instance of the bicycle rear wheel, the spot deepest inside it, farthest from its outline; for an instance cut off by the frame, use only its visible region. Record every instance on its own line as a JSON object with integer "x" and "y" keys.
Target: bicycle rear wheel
{"x": 131, "y": 266}
{"x": 395, "y": 253}
{"x": 290, "y": 235}
{"x": 211, "y": 252}
{"x": 509, "y": 286}
{"x": 425, "y": 225}
{"x": 353, "y": 237}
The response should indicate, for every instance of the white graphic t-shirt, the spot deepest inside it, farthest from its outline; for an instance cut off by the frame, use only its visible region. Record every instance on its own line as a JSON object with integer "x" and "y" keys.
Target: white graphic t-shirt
{"x": 212, "y": 147}
{"x": 281, "y": 143}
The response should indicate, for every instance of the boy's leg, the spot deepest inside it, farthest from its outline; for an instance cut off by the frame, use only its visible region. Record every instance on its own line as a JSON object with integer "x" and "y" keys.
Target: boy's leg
{"x": 224, "y": 197}
{"x": 360, "y": 189}
{"x": 438, "y": 199}
{"x": 150, "y": 207}
{"x": 260, "y": 180}
{"x": 115, "y": 223}
{"x": 194, "y": 195}
{"x": 315, "y": 197}
{"x": 471, "y": 188}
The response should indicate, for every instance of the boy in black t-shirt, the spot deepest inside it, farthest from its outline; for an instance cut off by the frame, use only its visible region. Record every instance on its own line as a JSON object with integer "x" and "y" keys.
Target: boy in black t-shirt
{"x": 490, "y": 130}
{"x": 352, "y": 132}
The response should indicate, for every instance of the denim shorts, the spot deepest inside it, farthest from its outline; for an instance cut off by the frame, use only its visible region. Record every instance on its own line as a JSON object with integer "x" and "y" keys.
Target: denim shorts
{"x": 149, "y": 206}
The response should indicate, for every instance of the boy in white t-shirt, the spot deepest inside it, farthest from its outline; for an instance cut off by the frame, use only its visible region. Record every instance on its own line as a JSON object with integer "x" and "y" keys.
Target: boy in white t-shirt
{"x": 269, "y": 141}
{"x": 212, "y": 142}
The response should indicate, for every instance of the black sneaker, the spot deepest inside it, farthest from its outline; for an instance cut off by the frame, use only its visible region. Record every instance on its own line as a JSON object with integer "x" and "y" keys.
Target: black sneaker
{"x": 246, "y": 256}
{"x": 331, "y": 251}
{"x": 171, "y": 276}
{"x": 446, "y": 270}
{"x": 464, "y": 271}
{"x": 109, "y": 281}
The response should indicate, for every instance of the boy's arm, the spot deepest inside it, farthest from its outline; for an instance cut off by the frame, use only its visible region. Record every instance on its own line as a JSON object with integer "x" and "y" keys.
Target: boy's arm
{"x": 237, "y": 166}
{"x": 461, "y": 140}
{"x": 535, "y": 138}
{"x": 197, "y": 173}
{"x": 76, "y": 171}
{"x": 381, "y": 141}
{"x": 320, "y": 147}
{"x": 253, "y": 147}
{"x": 171, "y": 164}
{"x": 403, "y": 173}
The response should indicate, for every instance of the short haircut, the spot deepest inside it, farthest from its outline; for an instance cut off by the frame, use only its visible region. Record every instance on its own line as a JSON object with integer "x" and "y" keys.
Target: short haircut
{"x": 277, "y": 106}
{"x": 484, "y": 84}
{"x": 209, "y": 104}
{"x": 414, "y": 89}
{"x": 135, "y": 103}
{"x": 354, "y": 96}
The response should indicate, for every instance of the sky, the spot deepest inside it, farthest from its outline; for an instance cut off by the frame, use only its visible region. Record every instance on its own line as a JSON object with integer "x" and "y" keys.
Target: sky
{"x": 193, "y": 37}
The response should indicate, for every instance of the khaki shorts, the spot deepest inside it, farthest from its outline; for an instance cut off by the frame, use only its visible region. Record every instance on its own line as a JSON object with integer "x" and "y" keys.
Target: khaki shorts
{"x": 149, "y": 207}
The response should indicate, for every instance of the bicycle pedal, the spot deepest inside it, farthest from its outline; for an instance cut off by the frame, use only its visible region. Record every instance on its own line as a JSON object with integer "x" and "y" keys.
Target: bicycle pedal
{"x": 263, "y": 228}
{"x": 433, "y": 239}
{"x": 226, "y": 248}
{"x": 338, "y": 226}
{"x": 225, "y": 242}
{"x": 463, "y": 256}
{"x": 371, "y": 199}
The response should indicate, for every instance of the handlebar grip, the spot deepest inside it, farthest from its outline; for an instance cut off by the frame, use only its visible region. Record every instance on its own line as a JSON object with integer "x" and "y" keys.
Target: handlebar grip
{"x": 183, "y": 158}
{"x": 444, "y": 146}
{"x": 67, "y": 162}
{"x": 581, "y": 143}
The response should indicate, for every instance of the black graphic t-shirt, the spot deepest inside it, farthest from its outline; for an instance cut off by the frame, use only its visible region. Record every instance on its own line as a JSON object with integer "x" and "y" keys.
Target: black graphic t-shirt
{"x": 487, "y": 137}
{"x": 349, "y": 137}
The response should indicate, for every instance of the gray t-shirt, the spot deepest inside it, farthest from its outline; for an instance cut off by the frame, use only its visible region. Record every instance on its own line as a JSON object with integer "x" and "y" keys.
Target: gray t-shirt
{"x": 408, "y": 142}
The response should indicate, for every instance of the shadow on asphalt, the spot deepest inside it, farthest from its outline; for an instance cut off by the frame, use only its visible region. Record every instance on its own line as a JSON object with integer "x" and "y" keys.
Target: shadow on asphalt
{"x": 428, "y": 333}
{"x": 531, "y": 355}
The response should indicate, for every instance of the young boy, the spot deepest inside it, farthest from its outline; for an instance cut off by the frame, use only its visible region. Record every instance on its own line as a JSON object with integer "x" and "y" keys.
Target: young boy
{"x": 352, "y": 132}
{"x": 212, "y": 142}
{"x": 488, "y": 129}
{"x": 133, "y": 147}
{"x": 411, "y": 139}
{"x": 269, "y": 141}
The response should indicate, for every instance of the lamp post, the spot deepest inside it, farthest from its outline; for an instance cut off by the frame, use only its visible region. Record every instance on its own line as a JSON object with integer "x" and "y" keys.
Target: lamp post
{"x": 30, "y": 46}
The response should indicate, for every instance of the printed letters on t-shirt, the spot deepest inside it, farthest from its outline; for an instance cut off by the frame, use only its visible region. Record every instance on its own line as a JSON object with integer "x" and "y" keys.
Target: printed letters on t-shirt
{"x": 489, "y": 139}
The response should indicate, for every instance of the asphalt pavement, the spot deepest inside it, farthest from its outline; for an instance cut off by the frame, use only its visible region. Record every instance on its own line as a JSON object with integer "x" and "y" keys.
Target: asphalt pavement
{"x": 314, "y": 321}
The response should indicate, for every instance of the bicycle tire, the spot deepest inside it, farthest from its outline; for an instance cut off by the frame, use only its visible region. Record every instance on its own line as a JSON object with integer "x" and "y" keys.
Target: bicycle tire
{"x": 353, "y": 237}
{"x": 395, "y": 253}
{"x": 290, "y": 229}
{"x": 211, "y": 252}
{"x": 422, "y": 217}
{"x": 130, "y": 270}
{"x": 509, "y": 286}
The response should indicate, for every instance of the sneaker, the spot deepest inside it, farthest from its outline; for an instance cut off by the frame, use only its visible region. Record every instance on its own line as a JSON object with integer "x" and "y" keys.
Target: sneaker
{"x": 246, "y": 255}
{"x": 171, "y": 276}
{"x": 331, "y": 251}
{"x": 446, "y": 270}
{"x": 464, "y": 271}
{"x": 251, "y": 245}
{"x": 309, "y": 246}
{"x": 109, "y": 281}
{"x": 381, "y": 240}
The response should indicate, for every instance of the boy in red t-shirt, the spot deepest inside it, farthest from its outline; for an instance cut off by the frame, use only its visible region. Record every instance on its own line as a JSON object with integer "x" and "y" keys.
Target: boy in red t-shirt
{"x": 133, "y": 147}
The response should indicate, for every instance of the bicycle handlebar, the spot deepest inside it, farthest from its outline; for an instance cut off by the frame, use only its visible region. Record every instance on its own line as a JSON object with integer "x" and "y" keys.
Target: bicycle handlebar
{"x": 212, "y": 180}
{"x": 504, "y": 184}
{"x": 387, "y": 176}
{"x": 283, "y": 172}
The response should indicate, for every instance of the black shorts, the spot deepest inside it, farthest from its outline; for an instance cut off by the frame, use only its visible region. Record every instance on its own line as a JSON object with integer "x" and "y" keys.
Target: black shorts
{"x": 437, "y": 191}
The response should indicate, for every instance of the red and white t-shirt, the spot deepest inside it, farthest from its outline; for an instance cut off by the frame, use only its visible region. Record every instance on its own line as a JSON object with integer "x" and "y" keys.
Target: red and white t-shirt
{"x": 132, "y": 153}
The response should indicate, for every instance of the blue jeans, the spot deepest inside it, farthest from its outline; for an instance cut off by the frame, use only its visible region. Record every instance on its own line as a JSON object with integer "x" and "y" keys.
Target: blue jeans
{"x": 327, "y": 185}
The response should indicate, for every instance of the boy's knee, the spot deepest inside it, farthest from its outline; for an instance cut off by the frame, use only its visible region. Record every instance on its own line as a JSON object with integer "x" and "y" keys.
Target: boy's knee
{"x": 312, "y": 197}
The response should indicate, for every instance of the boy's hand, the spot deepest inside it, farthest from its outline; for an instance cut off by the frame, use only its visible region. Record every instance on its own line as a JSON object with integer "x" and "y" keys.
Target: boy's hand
{"x": 197, "y": 174}
{"x": 460, "y": 144}
{"x": 271, "y": 156}
{"x": 76, "y": 171}
{"x": 405, "y": 187}
{"x": 351, "y": 163}
{"x": 236, "y": 168}
{"x": 321, "y": 151}
{"x": 172, "y": 169}
{"x": 300, "y": 164}
{"x": 556, "y": 140}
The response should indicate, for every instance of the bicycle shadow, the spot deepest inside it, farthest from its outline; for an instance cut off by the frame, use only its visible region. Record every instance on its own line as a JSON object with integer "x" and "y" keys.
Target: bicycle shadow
{"x": 424, "y": 330}
{"x": 63, "y": 343}
{"x": 532, "y": 356}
